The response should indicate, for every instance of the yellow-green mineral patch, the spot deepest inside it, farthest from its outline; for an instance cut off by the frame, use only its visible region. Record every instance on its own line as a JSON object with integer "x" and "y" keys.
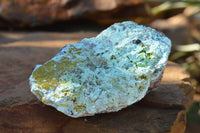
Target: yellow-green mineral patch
{"x": 79, "y": 108}
{"x": 47, "y": 76}
{"x": 63, "y": 105}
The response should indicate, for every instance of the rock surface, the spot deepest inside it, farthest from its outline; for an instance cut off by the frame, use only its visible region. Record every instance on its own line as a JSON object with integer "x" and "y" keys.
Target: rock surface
{"x": 102, "y": 74}
{"x": 23, "y": 13}
{"x": 20, "y": 111}
{"x": 177, "y": 24}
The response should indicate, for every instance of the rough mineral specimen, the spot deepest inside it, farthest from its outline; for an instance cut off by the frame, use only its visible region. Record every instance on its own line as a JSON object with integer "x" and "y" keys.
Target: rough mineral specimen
{"x": 102, "y": 74}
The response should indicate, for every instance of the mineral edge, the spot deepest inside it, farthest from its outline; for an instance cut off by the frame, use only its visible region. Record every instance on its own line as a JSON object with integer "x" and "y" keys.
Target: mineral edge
{"x": 102, "y": 74}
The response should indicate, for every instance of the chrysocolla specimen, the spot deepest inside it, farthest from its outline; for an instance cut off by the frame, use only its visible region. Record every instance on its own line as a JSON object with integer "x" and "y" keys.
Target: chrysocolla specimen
{"x": 102, "y": 74}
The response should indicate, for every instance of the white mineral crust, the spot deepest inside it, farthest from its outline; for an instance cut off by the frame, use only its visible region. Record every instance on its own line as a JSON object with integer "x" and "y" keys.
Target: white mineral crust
{"x": 102, "y": 74}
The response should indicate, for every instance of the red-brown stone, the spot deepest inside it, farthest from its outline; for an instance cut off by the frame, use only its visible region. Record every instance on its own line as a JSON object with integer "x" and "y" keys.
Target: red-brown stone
{"x": 28, "y": 13}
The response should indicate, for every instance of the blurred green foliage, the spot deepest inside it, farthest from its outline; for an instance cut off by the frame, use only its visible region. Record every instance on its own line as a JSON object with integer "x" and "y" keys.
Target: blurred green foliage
{"x": 193, "y": 113}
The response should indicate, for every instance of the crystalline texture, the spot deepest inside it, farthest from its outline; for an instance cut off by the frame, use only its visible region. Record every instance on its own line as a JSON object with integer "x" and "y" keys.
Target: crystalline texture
{"x": 102, "y": 74}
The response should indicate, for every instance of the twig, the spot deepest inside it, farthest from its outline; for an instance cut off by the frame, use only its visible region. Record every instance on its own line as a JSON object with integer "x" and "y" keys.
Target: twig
{"x": 187, "y": 48}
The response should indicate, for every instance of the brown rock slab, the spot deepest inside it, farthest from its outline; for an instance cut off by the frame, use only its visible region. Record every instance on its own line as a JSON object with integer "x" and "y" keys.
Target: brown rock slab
{"x": 177, "y": 28}
{"x": 28, "y": 13}
{"x": 175, "y": 90}
{"x": 162, "y": 110}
